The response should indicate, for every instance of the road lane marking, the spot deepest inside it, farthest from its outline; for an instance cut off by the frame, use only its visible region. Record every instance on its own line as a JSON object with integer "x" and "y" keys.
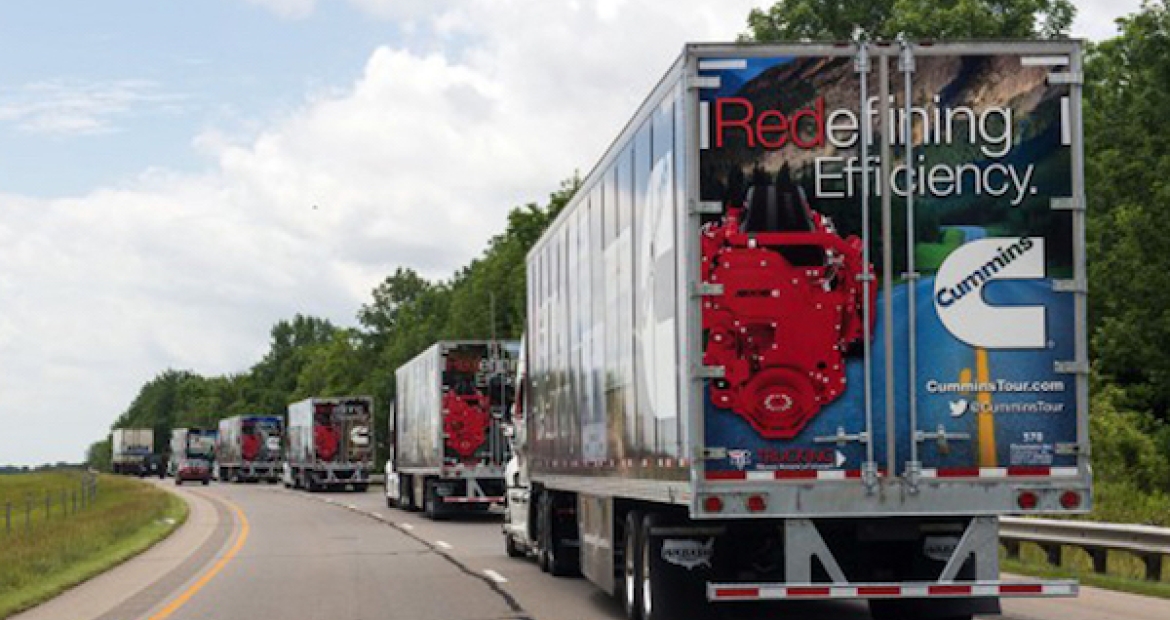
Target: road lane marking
{"x": 494, "y": 576}
{"x": 182, "y": 599}
{"x": 379, "y": 515}
{"x": 351, "y": 506}
{"x": 442, "y": 543}
{"x": 407, "y": 526}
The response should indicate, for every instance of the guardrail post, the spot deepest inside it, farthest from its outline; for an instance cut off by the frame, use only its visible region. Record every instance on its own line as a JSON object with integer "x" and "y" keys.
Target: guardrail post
{"x": 73, "y": 495}
{"x": 1153, "y": 562}
{"x": 1100, "y": 559}
{"x": 1052, "y": 552}
{"x": 64, "y": 504}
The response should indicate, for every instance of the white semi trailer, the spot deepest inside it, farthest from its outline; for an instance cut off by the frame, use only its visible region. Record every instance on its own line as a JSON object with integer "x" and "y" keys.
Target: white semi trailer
{"x": 811, "y": 325}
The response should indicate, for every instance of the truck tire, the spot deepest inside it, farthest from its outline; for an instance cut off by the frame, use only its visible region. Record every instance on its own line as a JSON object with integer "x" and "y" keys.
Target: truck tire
{"x": 432, "y": 507}
{"x": 556, "y": 557}
{"x": 361, "y": 487}
{"x": 666, "y": 591}
{"x": 206, "y": 481}
{"x": 511, "y": 548}
{"x": 631, "y": 591}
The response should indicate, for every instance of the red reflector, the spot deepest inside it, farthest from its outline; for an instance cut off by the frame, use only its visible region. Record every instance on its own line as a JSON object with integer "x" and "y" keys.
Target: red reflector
{"x": 949, "y": 590}
{"x": 712, "y": 503}
{"x": 879, "y": 590}
{"x": 737, "y": 593}
{"x": 1070, "y": 500}
{"x": 1027, "y": 500}
{"x": 756, "y": 503}
{"x": 799, "y": 591}
{"x": 1021, "y": 588}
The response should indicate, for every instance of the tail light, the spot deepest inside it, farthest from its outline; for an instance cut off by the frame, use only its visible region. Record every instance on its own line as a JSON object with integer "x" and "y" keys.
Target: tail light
{"x": 1071, "y": 500}
{"x": 1027, "y": 500}
{"x": 756, "y": 503}
{"x": 712, "y": 503}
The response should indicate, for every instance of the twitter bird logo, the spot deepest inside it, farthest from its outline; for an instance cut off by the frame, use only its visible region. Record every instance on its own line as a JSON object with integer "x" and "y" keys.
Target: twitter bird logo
{"x": 958, "y": 407}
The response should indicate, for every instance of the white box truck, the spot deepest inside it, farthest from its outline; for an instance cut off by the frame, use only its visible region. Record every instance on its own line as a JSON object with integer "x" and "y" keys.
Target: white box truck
{"x": 249, "y": 448}
{"x": 448, "y": 450}
{"x": 132, "y": 450}
{"x": 330, "y": 443}
{"x": 814, "y": 321}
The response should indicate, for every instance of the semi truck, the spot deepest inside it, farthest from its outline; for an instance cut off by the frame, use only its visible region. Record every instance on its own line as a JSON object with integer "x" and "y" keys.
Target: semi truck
{"x": 192, "y": 454}
{"x": 448, "y": 450}
{"x": 330, "y": 443}
{"x": 249, "y": 448}
{"x": 811, "y": 325}
{"x": 131, "y": 450}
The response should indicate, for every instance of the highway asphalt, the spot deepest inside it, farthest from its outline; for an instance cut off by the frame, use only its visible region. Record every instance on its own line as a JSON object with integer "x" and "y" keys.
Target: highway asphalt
{"x": 259, "y": 552}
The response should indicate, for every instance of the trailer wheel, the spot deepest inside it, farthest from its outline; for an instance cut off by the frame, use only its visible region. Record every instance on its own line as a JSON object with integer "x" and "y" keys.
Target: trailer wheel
{"x": 511, "y": 548}
{"x": 206, "y": 481}
{"x": 431, "y": 504}
{"x": 361, "y": 487}
{"x": 631, "y": 577}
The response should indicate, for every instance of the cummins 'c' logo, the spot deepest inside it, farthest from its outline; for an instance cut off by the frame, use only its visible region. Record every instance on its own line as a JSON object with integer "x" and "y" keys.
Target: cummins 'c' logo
{"x": 959, "y": 295}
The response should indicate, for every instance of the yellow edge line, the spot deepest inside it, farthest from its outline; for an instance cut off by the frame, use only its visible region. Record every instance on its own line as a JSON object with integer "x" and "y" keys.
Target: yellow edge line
{"x": 182, "y": 599}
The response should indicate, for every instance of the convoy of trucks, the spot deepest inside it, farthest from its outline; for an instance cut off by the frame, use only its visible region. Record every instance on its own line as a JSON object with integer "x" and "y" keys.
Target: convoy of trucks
{"x": 132, "y": 450}
{"x": 192, "y": 454}
{"x": 448, "y": 450}
{"x": 249, "y": 448}
{"x": 814, "y": 322}
{"x": 330, "y": 443}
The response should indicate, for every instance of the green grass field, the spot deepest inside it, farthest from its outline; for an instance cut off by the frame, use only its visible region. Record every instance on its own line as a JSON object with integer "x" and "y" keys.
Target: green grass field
{"x": 52, "y": 554}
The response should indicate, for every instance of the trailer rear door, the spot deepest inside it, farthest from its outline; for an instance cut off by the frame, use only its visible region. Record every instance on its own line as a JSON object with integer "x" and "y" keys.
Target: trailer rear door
{"x": 871, "y": 323}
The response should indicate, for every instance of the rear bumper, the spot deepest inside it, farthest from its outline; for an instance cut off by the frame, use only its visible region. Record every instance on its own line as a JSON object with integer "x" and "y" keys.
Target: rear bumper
{"x": 734, "y": 592}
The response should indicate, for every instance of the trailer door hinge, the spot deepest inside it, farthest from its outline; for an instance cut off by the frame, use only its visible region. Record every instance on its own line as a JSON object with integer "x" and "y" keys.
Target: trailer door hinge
{"x": 1066, "y": 77}
{"x": 1070, "y": 286}
{"x": 1066, "y": 203}
{"x": 715, "y": 453}
{"x": 1072, "y": 367}
{"x": 703, "y": 82}
{"x": 706, "y": 207}
{"x": 708, "y": 289}
{"x": 709, "y": 372}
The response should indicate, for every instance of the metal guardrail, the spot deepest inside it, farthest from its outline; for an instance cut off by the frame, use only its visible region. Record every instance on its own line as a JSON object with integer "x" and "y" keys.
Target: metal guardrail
{"x": 1148, "y": 543}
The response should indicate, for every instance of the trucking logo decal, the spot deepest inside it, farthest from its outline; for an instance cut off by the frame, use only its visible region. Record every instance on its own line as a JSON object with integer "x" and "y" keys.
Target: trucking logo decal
{"x": 963, "y": 308}
{"x": 989, "y": 130}
{"x": 787, "y": 148}
{"x": 740, "y": 458}
{"x": 690, "y": 554}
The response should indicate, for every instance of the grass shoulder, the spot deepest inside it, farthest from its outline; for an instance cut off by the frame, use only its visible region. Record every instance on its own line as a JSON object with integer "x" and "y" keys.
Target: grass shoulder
{"x": 52, "y": 554}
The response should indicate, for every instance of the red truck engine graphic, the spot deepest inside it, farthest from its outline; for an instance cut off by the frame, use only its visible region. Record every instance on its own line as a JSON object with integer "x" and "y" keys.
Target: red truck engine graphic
{"x": 249, "y": 446}
{"x": 789, "y": 311}
{"x": 465, "y": 421}
{"x": 326, "y": 440}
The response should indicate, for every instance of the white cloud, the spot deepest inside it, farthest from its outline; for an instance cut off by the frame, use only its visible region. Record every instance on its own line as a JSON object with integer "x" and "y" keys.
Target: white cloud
{"x": 415, "y": 163}
{"x": 1095, "y": 18}
{"x": 385, "y": 9}
{"x": 72, "y": 107}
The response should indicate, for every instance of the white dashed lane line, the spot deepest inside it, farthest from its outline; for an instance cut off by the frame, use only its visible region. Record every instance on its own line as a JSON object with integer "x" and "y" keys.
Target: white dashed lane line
{"x": 442, "y": 543}
{"x": 407, "y": 526}
{"x": 494, "y": 576}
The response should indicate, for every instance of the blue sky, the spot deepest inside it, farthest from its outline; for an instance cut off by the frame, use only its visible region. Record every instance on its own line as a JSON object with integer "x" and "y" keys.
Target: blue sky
{"x": 160, "y": 160}
{"x": 151, "y": 75}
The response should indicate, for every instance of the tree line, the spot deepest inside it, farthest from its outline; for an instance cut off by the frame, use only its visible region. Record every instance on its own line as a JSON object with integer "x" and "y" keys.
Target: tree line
{"x": 1127, "y": 142}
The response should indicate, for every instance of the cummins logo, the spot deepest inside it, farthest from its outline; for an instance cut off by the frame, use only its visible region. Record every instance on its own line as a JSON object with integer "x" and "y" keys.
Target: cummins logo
{"x": 961, "y": 304}
{"x": 689, "y": 554}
